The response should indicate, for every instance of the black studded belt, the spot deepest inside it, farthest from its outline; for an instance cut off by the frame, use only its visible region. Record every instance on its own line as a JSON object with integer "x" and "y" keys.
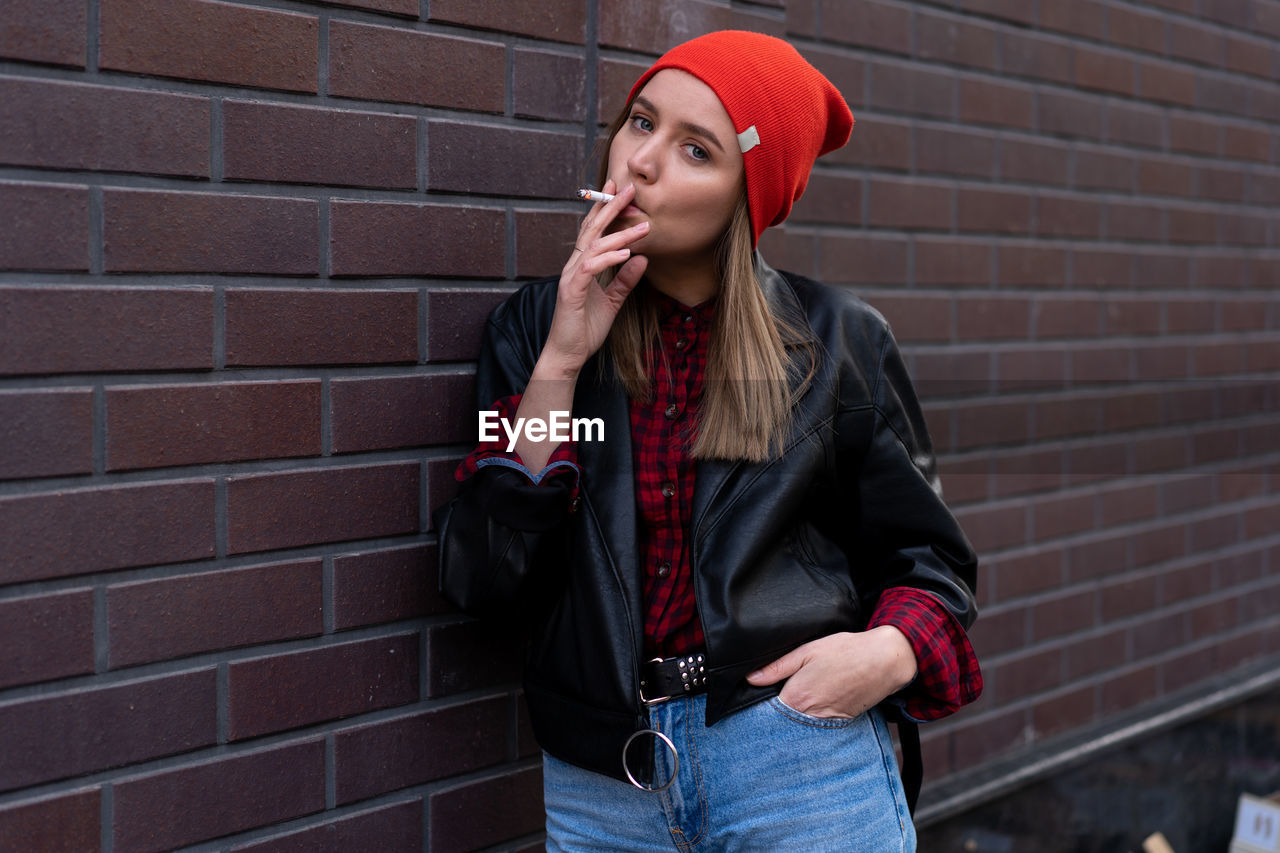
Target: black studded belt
{"x": 663, "y": 679}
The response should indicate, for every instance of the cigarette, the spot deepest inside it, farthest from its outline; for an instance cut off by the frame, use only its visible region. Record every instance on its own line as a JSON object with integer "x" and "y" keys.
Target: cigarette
{"x": 592, "y": 195}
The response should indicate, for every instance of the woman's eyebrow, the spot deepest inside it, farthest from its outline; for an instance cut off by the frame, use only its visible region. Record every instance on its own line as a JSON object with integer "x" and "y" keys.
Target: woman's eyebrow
{"x": 685, "y": 125}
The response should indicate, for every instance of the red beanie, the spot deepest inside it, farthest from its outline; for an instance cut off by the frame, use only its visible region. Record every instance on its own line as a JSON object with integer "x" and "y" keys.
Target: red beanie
{"x": 785, "y": 112}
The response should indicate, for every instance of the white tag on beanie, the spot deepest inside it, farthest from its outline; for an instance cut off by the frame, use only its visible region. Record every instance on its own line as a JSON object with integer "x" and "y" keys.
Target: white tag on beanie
{"x": 748, "y": 139}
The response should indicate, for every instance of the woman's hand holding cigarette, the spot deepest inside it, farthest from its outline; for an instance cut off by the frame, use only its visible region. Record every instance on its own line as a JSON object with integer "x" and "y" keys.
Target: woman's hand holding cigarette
{"x": 584, "y": 311}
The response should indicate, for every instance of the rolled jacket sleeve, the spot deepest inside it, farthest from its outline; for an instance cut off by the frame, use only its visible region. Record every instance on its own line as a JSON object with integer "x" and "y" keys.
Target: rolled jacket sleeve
{"x": 561, "y": 465}
{"x": 947, "y": 672}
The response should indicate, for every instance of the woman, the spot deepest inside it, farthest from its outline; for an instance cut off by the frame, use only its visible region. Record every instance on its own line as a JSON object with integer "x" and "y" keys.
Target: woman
{"x": 729, "y": 591}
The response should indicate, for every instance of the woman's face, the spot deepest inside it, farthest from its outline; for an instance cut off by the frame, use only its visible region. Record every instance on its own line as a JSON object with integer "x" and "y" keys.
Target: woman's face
{"x": 679, "y": 147}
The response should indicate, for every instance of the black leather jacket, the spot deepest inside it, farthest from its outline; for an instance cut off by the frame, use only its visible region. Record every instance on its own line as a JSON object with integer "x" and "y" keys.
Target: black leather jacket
{"x": 783, "y": 552}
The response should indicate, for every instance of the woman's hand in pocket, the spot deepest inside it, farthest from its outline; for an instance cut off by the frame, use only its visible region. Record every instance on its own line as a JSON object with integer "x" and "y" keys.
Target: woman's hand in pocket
{"x": 842, "y": 675}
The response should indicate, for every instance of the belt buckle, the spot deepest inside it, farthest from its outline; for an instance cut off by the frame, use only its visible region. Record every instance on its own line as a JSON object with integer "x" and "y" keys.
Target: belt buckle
{"x": 657, "y": 700}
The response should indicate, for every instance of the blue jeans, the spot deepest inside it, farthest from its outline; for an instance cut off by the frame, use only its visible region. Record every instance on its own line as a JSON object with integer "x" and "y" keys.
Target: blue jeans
{"x": 766, "y": 778}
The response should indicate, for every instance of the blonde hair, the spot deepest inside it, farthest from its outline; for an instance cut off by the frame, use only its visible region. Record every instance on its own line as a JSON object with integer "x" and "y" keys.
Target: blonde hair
{"x": 750, "y": 386}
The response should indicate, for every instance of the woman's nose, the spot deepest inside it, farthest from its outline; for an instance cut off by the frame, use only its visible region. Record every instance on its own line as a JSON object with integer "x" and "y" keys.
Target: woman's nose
{"x": 643, "y": 161}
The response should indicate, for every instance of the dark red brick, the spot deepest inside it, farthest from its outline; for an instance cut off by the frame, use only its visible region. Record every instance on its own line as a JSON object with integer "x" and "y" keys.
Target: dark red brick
{"x": 653, "y": 27}
{"x": 875, "y": 25}
{"x": 86, "y": 730}
{"x": 1193, "y": 134}
{"x": 219, "y": 42}
{"x": 1245, "y": 143}
{"x": 949, "y": 260}
{"x": 1068, "y": 216}
{"x": 544, "y": 242}
{"x": 394, "y": 7}
{"x": 1031, "y": 55}
{"x": 46, "y": 433}
{"x": 1067, "y": 613}
{"x": 1064, "y": 711}
{"x": 989, "y": 736}
{"x": 1027, "y": 573}
{"x": 66, "y": 823}
{"x": 1104, "y": 169}
{"x": 404, "y": 66}
{"x": 988, "y": 102}
{"x": 293, "y": 508}
{"x": 44, "y": 637}
{"x": 1027, "y": 675}
{"x": 802, "y": 17}
{"x": 403, "y": 411}
{"x": 271, "y": 694}
{"x": 469, "y": 655}
{"x": 955, "y": 152}
{"x": 862, "y": 260}
{"x": 951, "y": 40}
{"x": 456, "y": 320}
{"x": 1067, "y": 113}
{"x": 1104, "y": 70}
{"x": 75, "y": 532}
{"x": 913, "y": 90}
{"x": 886, "y": 144}
{"x": 51, "y": 31}
{"x": 155, "y": 426}
{"x": 1129, "y": 689}
{"x": 385, "y": 586}
{"x": 548, "y": 85}
{"x": 1188, "y": 668}
{"x": 1163, "y": 268}
{"x": 166, "y": 231}
{"x": 557, "y": 20}
{"x": 1135, "y": 222}
{"x": 999, "y": 632}
{"x": 373, "y": 759}
{"x": 47, "y": 226}
{"x": 830, "y": 199}
{"x": 943, "y": 374}
{"x": 915, "y": 317}
{"x": 307, "y": 145}
{"x": 82, "y": 329}
{"x": 321, "y": 327}
{"x": 484, "y": 812}
{"x": 991, "y": 529}
{"x": 468, "y": 158}
{"x": 379, "y": 238}
{"x": 441, "y": 485}
{"x": 154, "y": 812}
{"x": 178, "y": 616}
{"x": 614, "y": 80}
{"x": 1034, "y": 161}
{"x": 993, "y": 318}
{"x": 42, "y": 124}
{"x": 909, "y": 204}
{"x": 396, "y": 828}
{"x": 1005, "y": 212}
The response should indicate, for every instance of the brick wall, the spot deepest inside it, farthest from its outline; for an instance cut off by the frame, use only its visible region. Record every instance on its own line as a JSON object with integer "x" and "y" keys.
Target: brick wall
{"x": 246, "y": 251}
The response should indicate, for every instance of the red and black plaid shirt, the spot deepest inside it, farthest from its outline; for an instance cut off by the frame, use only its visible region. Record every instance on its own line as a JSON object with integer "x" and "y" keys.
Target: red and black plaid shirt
{"x": 662, "y": 432}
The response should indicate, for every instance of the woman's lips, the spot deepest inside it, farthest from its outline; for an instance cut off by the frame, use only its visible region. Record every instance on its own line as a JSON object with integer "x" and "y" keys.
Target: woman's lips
{"x": 631, "y": 210}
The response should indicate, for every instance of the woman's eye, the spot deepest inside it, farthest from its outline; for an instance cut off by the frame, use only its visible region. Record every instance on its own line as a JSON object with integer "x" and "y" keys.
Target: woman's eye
{"x": 697, "y": 152}
{"x": 642, "y": 123}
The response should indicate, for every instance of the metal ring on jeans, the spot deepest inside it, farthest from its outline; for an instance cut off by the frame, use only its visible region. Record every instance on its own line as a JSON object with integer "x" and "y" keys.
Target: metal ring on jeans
{"x": 675, "y": 758}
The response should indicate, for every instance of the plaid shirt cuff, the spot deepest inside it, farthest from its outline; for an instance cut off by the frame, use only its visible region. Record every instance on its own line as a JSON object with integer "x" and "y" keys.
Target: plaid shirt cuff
{"x": 562, "y": 465}
{"x": 948, "y": 675}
